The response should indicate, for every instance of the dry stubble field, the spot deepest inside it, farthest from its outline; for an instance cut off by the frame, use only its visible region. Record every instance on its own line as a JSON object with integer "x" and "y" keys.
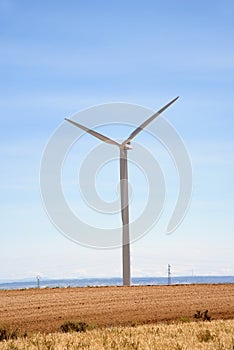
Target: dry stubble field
{"x": 45, "y": 310}
{"x": 214, "y": 335}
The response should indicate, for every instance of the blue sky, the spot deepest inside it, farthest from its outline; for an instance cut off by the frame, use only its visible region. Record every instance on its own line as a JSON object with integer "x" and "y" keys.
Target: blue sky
{"x": 59, "y": 57}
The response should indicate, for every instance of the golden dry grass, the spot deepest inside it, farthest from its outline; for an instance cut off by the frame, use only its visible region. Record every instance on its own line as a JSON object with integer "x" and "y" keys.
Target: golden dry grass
{"x": 45, "y": 310}
{"x": 215, "y": 335}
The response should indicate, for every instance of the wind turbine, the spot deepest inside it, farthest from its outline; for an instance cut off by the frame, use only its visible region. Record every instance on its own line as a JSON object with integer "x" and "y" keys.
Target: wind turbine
{"x": 124, "y": 147}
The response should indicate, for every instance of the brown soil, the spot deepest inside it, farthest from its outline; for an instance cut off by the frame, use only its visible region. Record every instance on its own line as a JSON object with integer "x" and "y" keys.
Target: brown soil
{"x": 46, "y": 309}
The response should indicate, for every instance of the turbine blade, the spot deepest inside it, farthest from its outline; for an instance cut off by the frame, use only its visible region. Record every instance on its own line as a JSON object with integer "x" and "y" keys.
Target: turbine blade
{"x": 124, "y": 191}
{"x": 94, "y": 133}
{"x": 149, "y": 120}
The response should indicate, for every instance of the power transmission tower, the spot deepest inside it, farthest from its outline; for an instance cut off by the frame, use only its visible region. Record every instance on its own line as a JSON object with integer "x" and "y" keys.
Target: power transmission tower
{"x": 38, "y": 281}
{"x": 169, "y": 274}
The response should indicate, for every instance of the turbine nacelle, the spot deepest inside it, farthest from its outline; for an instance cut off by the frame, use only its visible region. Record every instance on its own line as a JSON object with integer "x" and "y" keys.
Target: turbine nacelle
{"x": 126, "y": 146}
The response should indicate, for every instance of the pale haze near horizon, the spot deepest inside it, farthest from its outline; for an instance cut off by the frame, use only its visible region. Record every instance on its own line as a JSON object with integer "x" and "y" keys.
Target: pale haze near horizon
{"x": 58, "y": 58}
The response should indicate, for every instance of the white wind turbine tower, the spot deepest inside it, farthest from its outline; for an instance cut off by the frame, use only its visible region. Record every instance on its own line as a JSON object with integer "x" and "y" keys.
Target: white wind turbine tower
{"x": 124, "y": 147}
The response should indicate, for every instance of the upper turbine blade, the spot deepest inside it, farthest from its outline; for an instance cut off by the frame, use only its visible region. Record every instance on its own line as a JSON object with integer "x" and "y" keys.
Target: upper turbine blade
{"x": 94, "y": 133}
{"x": 149, "y": 120}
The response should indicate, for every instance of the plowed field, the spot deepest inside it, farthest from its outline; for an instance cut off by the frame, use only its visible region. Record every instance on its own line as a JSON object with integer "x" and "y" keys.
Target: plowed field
{"x": 46, "y": 309}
